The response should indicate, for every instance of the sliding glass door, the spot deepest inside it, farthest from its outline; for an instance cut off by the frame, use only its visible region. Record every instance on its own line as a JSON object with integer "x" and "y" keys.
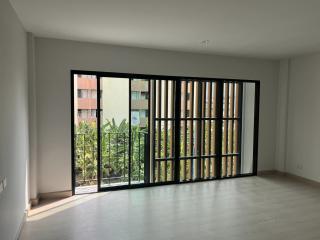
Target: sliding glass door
{"x": 113, "y": 131}
{"x": 84, "y": 133}
{"x": 138, "y": 130}
{"x": 124, "y": 132}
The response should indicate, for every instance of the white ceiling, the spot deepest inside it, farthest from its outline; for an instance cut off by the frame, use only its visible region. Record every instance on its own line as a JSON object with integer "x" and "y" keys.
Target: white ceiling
{"x": 256, "y": 28}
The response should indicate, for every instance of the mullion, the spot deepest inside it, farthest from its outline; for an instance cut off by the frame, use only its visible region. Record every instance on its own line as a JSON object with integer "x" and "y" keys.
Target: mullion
{"x": 232, "y": 131}
{"x": 181, "y": 137}
{"x": 98, "y": 131}
{"x": 164, "y": 159}
{"x": 185, "y": 126}
{"x": 203, "y": 138}
{"x": 231, "y": 118}
{"x": 196, "y": 125}
{"x": 227, "y": 150}
{"x": 172, "y": 127}
{"x": 191, "y": 126}
{"x": 219, "y": 127}
{"x": 164, "y": 119}
{"x": 230, "y": 154}
{"x": 194, "y": 157}
{"x": 139, "y": 157}
{"x": 154, "y": 125}
{"x": 213, "y": 131}
{"x": 165, "y": 127}
{"x": 236, "y": 127}
{"x": 240, "y": 100}
{"x": 177, "y": 131}
{"x": 199, "y": 112}
{"x": 225, "y": 129}
{"x": 130, "y": 150}
{"x": 210, "y": 115}
{"x": 109, "y": 156}
{"x": 159, "y": 128}
{"x": 256, "y": 128}
{"x": 200, "y": 118}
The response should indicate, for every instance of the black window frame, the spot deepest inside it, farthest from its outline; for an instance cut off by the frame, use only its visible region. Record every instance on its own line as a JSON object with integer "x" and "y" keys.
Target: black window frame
{"x": 177, "y": 80}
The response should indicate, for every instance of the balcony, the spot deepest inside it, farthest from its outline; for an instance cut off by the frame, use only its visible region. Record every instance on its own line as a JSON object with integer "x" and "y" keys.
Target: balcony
{"x": 114, "y": 159}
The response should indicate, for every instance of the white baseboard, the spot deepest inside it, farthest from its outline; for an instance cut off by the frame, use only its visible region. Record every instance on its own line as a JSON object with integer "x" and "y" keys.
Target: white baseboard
{"x": 303, "y": 179}
{"x": 289, "y": 175}
{"x": 52, "y": 195}
{"x": 34, "y": 202}
{"x": 267, "y": 172}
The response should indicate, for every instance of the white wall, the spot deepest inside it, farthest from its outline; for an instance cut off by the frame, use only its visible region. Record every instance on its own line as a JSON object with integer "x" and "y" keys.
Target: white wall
{"x": 55, "y": 59}
{"x": 303, "y": 132}
{"x": 282, "y": 113}
{"x": 13, "y": 121}
{"x": 33, "y": 190}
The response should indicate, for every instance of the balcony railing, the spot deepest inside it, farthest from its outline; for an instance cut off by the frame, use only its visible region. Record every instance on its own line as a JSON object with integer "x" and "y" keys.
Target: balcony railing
{"x": 114, "y": 158}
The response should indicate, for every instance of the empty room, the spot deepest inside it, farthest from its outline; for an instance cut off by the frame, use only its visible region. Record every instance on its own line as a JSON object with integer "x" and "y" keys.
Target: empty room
{"x": 181, "y": 119}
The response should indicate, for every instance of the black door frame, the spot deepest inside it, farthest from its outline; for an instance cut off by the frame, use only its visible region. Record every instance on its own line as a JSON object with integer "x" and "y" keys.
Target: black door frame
{"x": 178, "y": 80}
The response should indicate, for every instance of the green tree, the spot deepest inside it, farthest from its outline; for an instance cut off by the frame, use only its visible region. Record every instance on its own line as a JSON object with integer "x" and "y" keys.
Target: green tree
{"x": 114, "y": 152}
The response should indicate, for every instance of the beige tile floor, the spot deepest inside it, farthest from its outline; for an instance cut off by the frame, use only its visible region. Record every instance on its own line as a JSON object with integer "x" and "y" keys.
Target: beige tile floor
{"x": 253, "y": 208}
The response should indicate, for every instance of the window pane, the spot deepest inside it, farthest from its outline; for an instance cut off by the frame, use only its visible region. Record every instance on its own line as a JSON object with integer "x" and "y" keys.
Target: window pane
{"x": 248, "y": 101}
{"x": 85, "y": 134}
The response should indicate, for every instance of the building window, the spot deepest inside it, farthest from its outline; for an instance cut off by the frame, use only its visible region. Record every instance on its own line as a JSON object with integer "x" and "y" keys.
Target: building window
{"x": 87, "y": 113}
{"x": 84, "y": 113}
{"x": 135, "y": 95}
{"x": 144, "y": 95}
{"x": 82, "y": 93}
{"x": 135, "y": 118}
{"x": 94, "y": 94}
{"x": 142, "y": 113}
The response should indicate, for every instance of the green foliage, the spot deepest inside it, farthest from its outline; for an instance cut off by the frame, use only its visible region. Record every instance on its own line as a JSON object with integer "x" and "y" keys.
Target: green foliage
{"x": 114, "y": 152}
{"x": 85, "y": 152}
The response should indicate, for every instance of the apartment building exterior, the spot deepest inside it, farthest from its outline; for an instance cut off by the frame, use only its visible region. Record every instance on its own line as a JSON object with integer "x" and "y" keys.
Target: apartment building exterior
{"x": 85, "y": 100}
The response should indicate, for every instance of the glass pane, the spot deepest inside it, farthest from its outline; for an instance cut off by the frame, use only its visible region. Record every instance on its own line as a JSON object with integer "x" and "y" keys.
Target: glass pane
{"x": 231, "y": 128}
{"x": 197, "y": 130}
{"x": 162, "y": 98}
{"x": 247, "y": 138}
{"x": 85, "y": 133}
{"x": 140, "y": 156}
{"x": 114, "y": 119}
